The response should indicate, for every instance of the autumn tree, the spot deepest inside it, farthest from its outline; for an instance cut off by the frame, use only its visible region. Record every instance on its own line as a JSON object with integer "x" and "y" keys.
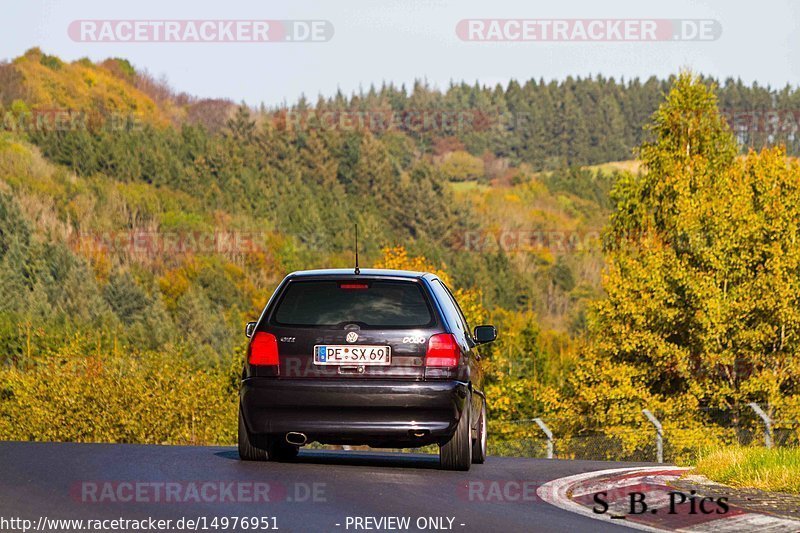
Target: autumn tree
{"x": 703, "y": 277}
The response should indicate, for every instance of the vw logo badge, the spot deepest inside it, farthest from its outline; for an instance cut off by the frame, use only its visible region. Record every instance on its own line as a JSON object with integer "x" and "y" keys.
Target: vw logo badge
{"x": 352, "y": 336}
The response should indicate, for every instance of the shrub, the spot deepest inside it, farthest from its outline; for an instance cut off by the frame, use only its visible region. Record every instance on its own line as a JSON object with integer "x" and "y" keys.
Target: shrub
{"x": 80, "y": 393}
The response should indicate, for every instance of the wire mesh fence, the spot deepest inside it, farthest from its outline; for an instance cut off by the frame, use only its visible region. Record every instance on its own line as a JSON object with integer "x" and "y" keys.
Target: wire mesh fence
{"x": 681, "y": 442}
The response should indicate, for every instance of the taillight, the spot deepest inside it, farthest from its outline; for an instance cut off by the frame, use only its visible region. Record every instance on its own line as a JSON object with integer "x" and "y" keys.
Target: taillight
{"x": 443, "y": 351}
{"x": 264, "y": 349}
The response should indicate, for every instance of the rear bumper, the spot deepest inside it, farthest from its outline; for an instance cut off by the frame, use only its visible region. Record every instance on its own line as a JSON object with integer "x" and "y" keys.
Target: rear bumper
{"x": 384, "y": 412}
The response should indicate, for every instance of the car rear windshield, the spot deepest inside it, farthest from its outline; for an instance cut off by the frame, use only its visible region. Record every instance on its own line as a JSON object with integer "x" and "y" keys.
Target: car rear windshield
{"x": 369, "y": 303}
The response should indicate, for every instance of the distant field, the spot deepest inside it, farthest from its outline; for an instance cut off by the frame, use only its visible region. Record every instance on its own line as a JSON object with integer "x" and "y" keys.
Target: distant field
{"x": 773, "y": 470}
{"x": 631, "y": 165}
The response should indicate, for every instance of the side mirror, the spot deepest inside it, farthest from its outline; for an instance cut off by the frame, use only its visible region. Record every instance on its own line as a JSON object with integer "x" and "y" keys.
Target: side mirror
{"x": 484, "y": 334}
{"x": 249, "y": 329}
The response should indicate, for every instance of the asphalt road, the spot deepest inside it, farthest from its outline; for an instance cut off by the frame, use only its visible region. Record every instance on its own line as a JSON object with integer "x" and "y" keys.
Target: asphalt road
{"x": 320, "y": 491}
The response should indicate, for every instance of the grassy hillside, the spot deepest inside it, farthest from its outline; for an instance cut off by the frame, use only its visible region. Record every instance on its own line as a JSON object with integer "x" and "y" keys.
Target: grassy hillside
{"x": 56, "y": 94}
{"x": 78, "y": 202}
{"x": 45, "y": 82}
{"x": 123, "y": 248}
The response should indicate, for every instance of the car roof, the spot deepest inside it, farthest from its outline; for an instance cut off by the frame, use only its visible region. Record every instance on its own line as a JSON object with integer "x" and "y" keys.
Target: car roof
{"x": 371, "y": 272}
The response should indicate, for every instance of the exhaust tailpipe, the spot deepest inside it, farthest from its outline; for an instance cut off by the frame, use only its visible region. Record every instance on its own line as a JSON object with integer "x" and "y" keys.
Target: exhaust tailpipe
{"x": 298, "y": 439}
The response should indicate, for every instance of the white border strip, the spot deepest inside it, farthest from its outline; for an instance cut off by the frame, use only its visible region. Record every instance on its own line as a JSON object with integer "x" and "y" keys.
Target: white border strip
{"x": 555, "y": 493}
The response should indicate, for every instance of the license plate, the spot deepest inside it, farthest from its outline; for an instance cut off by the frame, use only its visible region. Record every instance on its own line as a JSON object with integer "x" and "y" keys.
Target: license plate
{"x": 352, "y": 355}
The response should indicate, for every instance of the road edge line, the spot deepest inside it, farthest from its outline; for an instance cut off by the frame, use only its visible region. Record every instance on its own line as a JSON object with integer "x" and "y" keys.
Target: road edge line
{"x": 555, "y": 493}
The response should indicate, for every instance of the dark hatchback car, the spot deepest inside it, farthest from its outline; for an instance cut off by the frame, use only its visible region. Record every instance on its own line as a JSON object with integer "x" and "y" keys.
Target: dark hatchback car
{"x": 382, "y": 358}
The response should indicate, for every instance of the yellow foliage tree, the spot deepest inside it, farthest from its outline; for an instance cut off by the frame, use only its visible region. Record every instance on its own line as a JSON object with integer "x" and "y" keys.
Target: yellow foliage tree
{"x": 462, "y": 166}
{"x": 703, "y": 285}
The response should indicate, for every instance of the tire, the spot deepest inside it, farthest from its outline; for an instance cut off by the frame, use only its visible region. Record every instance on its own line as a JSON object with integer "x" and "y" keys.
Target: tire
{"x": 247, "y": 451}
{"x": 251, "y": 449}
{"x": 479, "y": 444}
{"x": 456, "y": 454}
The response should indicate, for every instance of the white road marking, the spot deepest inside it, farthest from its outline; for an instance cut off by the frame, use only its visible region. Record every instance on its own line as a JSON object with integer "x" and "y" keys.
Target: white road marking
{"x": 615, "y": 485}
{"x": 557, "y": 492}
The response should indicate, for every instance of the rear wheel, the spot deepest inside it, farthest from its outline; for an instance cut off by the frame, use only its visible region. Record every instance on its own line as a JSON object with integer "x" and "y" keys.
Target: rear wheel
{"x": 456, "y": 454}
{"x": 479, "y": 443}
{"x": 252, "y": 448}
{"x": 247, "y": 450}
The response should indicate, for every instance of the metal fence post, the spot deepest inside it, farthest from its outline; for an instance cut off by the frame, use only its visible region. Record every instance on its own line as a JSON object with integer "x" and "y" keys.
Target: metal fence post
{"x": 549, "y": 434}
{"x": 659, "y": 435}
{"x": 767, "y": 423}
